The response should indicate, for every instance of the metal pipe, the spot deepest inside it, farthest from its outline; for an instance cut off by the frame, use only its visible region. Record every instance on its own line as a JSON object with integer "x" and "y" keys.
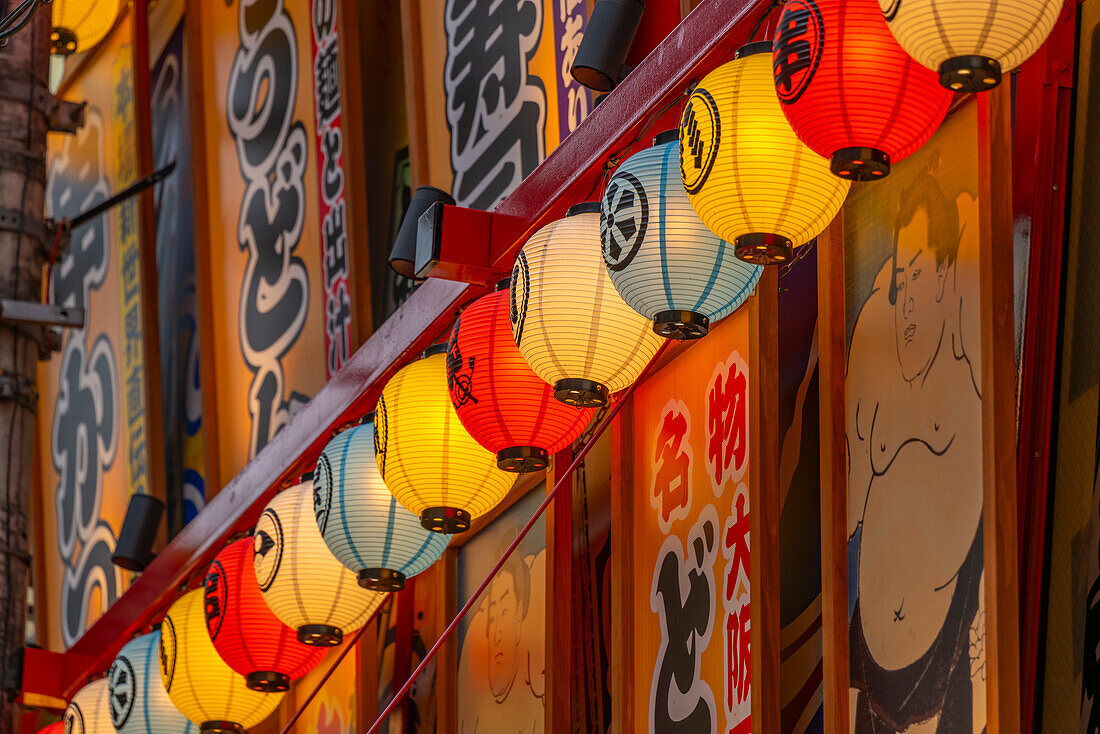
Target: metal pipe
{"x": 565, "y": 477}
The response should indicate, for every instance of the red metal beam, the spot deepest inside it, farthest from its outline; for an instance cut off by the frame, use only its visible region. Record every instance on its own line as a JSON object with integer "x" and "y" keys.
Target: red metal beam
{"x": 571, "y": 173}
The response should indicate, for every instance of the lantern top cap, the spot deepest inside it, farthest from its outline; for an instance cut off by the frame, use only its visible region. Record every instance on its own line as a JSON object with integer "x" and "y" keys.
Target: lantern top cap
{"x": 305, "y": 477}
{"x": 368, "y": 418}
{"x": 587, "y": 207}
{"x": 504, "y": 284}
{"x": 667, "y": 136}
{"x": 434, "y": 350}
{"x": 751, "y": 49}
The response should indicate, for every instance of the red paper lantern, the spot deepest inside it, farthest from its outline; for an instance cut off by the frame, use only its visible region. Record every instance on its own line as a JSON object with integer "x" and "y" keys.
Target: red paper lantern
{"x": 246, "y": 633}
{"x": 850, "y": 92}
{"x": 504, "y": 405}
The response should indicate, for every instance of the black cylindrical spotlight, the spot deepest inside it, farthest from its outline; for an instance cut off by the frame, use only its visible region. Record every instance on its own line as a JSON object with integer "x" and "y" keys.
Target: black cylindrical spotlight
{"x": 134, "y": 550}
{"x": 599, "y": 61}
{"x": 403, "y": 254}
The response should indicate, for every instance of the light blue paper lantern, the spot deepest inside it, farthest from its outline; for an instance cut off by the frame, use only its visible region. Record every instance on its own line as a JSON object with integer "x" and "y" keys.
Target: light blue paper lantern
{"x": 362, "y": 524}
{"x": 662, "y": 259}
{"x": 138, "y": 701}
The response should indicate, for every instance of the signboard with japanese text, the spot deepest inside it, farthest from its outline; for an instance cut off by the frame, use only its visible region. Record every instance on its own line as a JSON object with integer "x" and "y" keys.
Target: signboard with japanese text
{"x": 498, "y": 95}
{"x": 277, "y": 254}
{"x": 92, "y": 425}
{"x": 692, "y": 607}
{"x": 914, "y": 437}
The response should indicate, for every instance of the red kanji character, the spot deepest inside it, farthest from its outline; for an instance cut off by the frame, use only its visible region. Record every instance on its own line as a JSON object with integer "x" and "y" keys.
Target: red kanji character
{"x": 738, "y": 636}
{"x": 672, "y": 457}
{"x": 737, "y": 539}
{"x": 728, "y": 422}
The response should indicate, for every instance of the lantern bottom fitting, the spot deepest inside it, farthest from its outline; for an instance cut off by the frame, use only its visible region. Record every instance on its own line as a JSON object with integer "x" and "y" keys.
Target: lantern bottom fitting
{"x": 448, "y": 520}
{"x": 681, "y": 325}
{"x": 320, "y": 635}
{"x": 221, "y": 727}
{"x": 860, "y": 164}
{"x": 522, "y": 459}
{"x": 761, "y": 248}
{"x": 381, "y": 579}
{"x": 268, "y": 681}
{"x": 969, "y": 74}
{"x": 581, "y": 393}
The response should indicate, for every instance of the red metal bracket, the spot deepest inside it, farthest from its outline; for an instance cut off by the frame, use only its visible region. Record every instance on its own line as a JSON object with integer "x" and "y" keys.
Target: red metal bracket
{"x": 454, "y": 243}
{"x": 44, "y": 676}
{"x": 571, "y": 173}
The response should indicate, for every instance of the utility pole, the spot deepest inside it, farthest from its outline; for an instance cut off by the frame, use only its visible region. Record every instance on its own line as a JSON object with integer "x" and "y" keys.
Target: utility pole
{"x": 24, "y": 239}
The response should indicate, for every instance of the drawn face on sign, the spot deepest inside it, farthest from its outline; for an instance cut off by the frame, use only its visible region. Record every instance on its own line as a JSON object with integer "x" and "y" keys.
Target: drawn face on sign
{"x": 506, "y": 611}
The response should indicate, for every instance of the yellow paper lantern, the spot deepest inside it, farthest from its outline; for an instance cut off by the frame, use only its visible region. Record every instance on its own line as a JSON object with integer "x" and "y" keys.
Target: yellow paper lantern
{"x": 78, "y": 25}
{"x": 199, "y": 683}
{"x": 748, "y": 176}
{"x": 89, "y": 712}
{"x": 302, "y": 582}
{"x": 427, "y": 459}
{"x": 573, "y": 328}
{"x": 971, "y": 42}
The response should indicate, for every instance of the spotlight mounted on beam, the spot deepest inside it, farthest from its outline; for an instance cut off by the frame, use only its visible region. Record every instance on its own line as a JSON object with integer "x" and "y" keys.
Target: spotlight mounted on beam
{"x": 403, "y": 254}
{"x": 599, "y": 64}
{"x": 134, "y": 550}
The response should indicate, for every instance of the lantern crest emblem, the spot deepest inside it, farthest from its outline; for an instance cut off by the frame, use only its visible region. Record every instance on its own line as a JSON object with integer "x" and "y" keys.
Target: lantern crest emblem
{"x": 700, "y": 137}
{"x": 625, "y": 220}
{"x": 796, "y": 53}
{"x": 322, "y": 492}
{"x": 216, "y": 598}
{"x": 167, "y": 652}
{"x": 122, "y": 688}
{"x": 268, "y": 547}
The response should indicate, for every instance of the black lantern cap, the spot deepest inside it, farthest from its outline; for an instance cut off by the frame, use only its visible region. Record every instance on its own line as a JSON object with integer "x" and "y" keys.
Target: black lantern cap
{"x": 860, "y": 164}
{"x": 522, "y": 459}
{"x": 434, "y": 350}
{"x": 667, "y": 136}
{"x": 267, "y": 681}
{"x": 381, "y": 579}
{"x": 221, "y": 727}
{"x": 751, "y": 49}
{"x": 504, "y": 283}
{"x": 134, "y": 550}
{"x": 970, "y": 74}
{"x": 599, "y": 61}
{"x": 681, "y": 325}
{"x": 581, "y": 393}
{"x": 403, "y": 254}
{"x": 449, "y": 520}
{"x": 320, "y": 635}
{"x": 585, "y": 207}
{"x": 761, "y": 248}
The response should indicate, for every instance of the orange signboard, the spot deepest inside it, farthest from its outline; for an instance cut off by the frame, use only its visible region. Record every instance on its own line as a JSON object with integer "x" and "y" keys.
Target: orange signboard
{"x": 691, "y": 524}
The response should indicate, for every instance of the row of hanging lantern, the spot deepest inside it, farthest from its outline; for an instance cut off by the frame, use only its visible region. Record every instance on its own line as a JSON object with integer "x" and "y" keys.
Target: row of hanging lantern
{"x": 767, "y": 147}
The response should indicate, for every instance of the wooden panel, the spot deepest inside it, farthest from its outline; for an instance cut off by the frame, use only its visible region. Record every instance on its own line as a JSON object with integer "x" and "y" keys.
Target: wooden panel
{"x": 764, "y": 503}
{"x": 622, "y": 571}
{"x": 559, "y": 600}
{"x": 834, "y": 478}
{"x": 414, "y": 92}
{"x": 998, "y": 413}
{"x": 446, "y": 698}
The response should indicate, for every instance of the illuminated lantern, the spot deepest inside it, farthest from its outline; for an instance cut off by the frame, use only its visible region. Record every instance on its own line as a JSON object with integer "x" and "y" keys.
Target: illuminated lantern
{"x": 505, "y": 406}
{"x": 362, "y": 523}
{"x": 199, "y": 683}
{"x": 139, "y": 704}
{"x": 849, "y": 90}
{"x": 971, "y": 42}
{"x": 663, "y": 261}
{"x": 427, "y": 459}
{"x": 572, "y": 327}
{"x": 78, "y": 25}
{"x": 748, "y": 176}
{"x": 306, "y": 587}
{"x": 89, "y": 711}
{"x": 245, "y": 632}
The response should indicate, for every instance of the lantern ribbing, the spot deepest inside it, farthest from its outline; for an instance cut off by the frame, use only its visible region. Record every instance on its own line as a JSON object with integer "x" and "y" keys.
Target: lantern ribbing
{"x": 305, "y": 586}
{"x": 504, "y": 405}
{"x": 245, "y": 632}
{"x": 572, "y": 326}
{"x": 89, "y": 711}
{"x": 427, "y": 459}
{"x": 140, "y": 705}
{"x": 748, "y": 176}
{"x": 662, "y": 259}
{"x": 362, "y": 524}
{"x": 849, "y": 90}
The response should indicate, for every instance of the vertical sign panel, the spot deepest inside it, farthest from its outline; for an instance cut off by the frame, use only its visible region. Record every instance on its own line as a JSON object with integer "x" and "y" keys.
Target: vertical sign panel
{"x": 692, "y": 606}
{"x": 91, "y": 423}
{"x": 914, "y": 417}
